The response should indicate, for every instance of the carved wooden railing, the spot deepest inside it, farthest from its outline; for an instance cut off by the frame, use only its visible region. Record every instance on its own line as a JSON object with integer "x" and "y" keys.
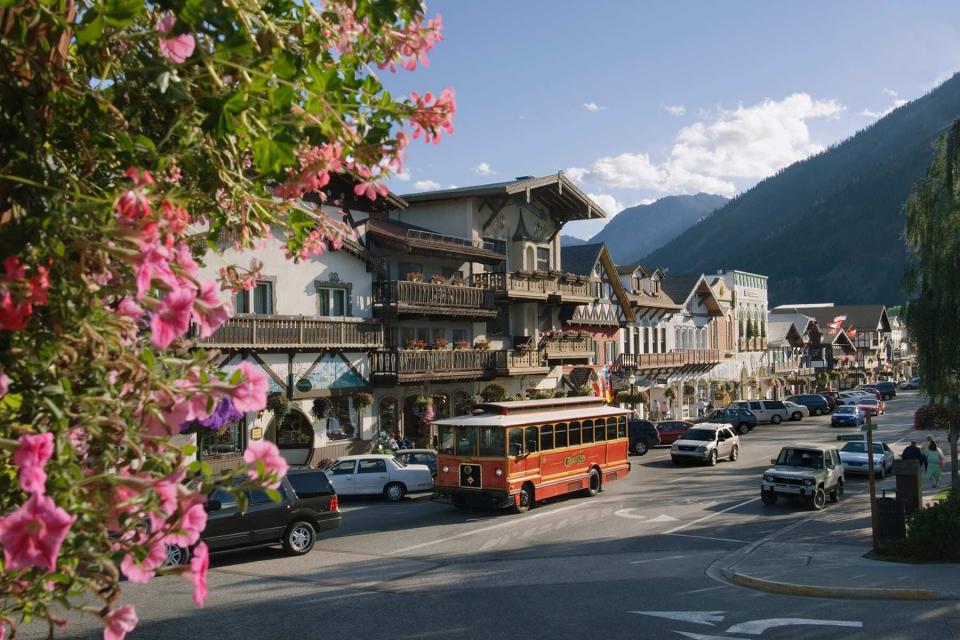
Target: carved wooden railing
{"x": 699, "y": 356}
{"x": 428, "y": 295}
{"x": 535, "y": 283}
{"x": 262, "y": 331}
{"x": 407, "y": 362}
{"x": 556, "y": 347}
{"x": 650, "y": 360}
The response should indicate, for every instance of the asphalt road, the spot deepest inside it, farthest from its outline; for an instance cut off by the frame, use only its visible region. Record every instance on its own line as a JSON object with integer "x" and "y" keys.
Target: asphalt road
{"x": 629, "y": 563}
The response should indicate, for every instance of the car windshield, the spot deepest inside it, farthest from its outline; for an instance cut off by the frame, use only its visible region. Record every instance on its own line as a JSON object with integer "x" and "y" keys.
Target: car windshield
{"x": 861, "y": 447}
{"x": 870, "y": 401}
{"x": 700, "y": 434}
{"x": 808, "y": 458}
{"x": 846, "y": 409}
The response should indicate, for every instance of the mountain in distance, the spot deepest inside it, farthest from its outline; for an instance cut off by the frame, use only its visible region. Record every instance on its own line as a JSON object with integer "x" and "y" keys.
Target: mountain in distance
{"x": 571, "y": 241}
{"x": 828, "y": 228}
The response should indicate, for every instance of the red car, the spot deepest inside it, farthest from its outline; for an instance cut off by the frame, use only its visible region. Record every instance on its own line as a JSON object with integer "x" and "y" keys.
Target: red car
{"x": 672, "y": 430}
{"x": 870, "y": 406}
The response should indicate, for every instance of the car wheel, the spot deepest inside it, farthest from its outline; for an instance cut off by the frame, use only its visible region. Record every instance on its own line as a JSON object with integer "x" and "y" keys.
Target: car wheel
{"x": 394, "y": 491}
{"x": 819, "y": 499}
{"x": 299, "y": 538}
{"x": 525, "y": 501}
{"x": 593, "y": 484}
{"x": 883, "y": 472}
{"x": 640, "y": 448}
{"x": 734, "y": 453}
{"x": 712, "y": 461}
{"x": 743, "y": 429}
{"x": 768, "y": 498}
{"x": 836, "y": 493}
{"x": 776, "y": 419}
{"x": 177, "y": 556}
{"x": 797, "y": 416}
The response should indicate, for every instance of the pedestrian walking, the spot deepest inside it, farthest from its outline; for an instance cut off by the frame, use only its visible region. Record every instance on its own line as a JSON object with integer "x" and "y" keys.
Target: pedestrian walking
{"x": 701, "y": 406}
{"x": 934, "y": 463}
{"x": 710, "y": 406}
{"x": 913, "y": 452}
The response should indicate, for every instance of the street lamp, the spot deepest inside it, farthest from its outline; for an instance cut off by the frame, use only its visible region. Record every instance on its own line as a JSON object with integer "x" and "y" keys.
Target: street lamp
{"x": 632, "y": 379}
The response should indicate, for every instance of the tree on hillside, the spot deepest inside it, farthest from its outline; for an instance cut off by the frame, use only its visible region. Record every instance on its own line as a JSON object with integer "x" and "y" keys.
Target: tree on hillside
{"x": 135, "y": 137}
{"x": 933, "y": 277}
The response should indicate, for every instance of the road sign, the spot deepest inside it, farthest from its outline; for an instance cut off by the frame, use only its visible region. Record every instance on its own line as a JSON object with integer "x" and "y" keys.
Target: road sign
{"x": 868, "y": 427}
{"x": 848, "y": 437}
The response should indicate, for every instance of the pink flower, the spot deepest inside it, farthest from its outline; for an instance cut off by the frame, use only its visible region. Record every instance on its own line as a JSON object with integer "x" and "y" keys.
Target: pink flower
{"x": 32, "y": 534}
{"x": 4, "y": 384}
{"x": 143, "y": 572}
{"x": 209, "y": 313}
{"x": 172, "y": 319}
{"x": 251, "y": 392}
{"x": 178, "y": 48}
{"x": 133, "y": 205}
{"x": 130, "y": 309}
{"x": 264, "y": 451}
{"x": 31, "y": 456}
{"x": 199, "y": 564}
{"x": 119, "y": 622}
{"x": 192, "y": 524}
{"x": 184, "y": 258}
{"x": 154, "y": 264}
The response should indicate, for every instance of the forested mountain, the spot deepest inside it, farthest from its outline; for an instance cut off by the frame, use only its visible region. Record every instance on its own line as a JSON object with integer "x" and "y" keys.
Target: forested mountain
{"x": 571, "y": 241}
{"x": 828, "y": 228}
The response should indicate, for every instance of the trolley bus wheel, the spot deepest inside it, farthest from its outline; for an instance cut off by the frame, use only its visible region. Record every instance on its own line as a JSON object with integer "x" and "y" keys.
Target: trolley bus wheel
{"x": 525, "y": 499}
{"x": 593, "y": 486}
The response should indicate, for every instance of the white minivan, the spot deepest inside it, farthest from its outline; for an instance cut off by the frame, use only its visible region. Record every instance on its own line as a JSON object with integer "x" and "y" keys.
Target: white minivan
{"x": 766, "y": 410}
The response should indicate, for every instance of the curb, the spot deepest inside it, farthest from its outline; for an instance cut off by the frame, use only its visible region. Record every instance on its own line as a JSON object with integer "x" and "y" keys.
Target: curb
{"x": 845, "y": 593}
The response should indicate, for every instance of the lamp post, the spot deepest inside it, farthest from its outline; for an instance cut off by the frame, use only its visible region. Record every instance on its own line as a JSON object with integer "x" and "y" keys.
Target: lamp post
{"x": 632, "y": 379}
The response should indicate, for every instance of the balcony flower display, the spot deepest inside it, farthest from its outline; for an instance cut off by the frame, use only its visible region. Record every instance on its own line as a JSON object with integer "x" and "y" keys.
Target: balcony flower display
{"x": 526, "y": 346}
{"x": 439, "y": 344}
{"x": 362, "y": 401}
{"x": 437, "y": 279}
{"x": 493, "y": 392}
{"x": 413, "y": 344}
{"x": 461, "y": 344}
{"x": 458, "y": 281}
{"x": 481, "y": 345}
{"x": 414, "y": 276}
{"x": 423, "y": 409}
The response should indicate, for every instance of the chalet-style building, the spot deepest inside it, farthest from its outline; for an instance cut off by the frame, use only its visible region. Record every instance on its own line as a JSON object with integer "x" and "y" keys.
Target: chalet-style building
{"x": 748, "y": 296}
{"x": 788, "y": 362}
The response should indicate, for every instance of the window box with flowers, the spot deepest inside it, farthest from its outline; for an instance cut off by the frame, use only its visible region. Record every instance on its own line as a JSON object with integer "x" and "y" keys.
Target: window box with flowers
{"x": 461, "y": 345}
{"x": 437, "y": 279}
{"x": 439, "y": 344}
{"x": 493, "y": 392}
{"x": 414, "y": 344}
{"x": 414, "y": 276}
{"x": 458, "y": 281}
{"x": 481, "y": 345}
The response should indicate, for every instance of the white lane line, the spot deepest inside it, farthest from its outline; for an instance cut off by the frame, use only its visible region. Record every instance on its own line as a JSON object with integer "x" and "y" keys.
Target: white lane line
{"x": 687, "y": 535}
{"x": 657, "y": 559}
{"x": 710, "y": 515}
{"x": 490, "y": 528}
{"x": 687, "y": 593}
{"x": 678, "y": 479}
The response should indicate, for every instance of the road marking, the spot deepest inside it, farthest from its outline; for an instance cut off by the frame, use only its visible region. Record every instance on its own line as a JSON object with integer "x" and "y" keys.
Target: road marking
{"x": 700, "y": 636}
{"x": 678, "y": 479}
{"x": 625, "y": 513}
{"x": 687, "y": 535}
{"x": 697, "y": 617}
{"x": 663, "y": 518}
{"x": 685, "y": 593}
{"x": 657, "y": 560}
{"x": 757, "y": 627}
{"x": 709, "y": 515}
{"x": 490, "y": 528}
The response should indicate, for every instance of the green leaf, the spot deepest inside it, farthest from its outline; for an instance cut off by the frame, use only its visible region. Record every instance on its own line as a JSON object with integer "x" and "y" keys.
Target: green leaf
{"x": 189, "y": 449}
{"x": 274, "y": 495}
{"x": 144, "y": 144}
{"x": 91, "y": 32}
{"x": 148, "y": 358}
{"x": 121, "y": 13}
{"x": 272, "y": 154}
{"x": 11, "y": 401}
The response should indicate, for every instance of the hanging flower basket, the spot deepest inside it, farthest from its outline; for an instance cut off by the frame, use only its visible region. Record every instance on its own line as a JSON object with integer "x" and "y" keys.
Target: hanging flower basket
{"x": 423, "y": 409}
{"x": 321, "y": 408}
{"x": 362, "y": 400}
{"x": 279, "y": 404}
{"x": 493, "y": 392}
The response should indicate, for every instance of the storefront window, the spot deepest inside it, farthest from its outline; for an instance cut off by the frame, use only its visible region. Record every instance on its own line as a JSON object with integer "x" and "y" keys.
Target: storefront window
{"x": 340, "y": 423}
{"x": 295, "y": 432}
{"x": 227, "y": 441}
{"x": 388, "y": 415}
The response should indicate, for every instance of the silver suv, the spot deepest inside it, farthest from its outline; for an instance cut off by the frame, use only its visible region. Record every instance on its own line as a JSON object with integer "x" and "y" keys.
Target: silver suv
{"x": 706, "y": 442}
{"x": 807, "y": 472}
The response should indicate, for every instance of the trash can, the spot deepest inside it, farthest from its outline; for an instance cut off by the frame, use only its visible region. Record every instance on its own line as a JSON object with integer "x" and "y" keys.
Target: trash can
{"x": 909, "y": 484}
{"x": 891, "y": 520}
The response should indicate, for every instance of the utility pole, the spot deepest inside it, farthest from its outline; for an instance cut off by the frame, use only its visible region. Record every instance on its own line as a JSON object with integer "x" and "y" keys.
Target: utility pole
{"x": 871, "y": 476}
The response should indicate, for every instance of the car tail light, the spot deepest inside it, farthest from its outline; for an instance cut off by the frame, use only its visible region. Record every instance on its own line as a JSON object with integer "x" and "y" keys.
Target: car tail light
{"x": 334, "y": 503}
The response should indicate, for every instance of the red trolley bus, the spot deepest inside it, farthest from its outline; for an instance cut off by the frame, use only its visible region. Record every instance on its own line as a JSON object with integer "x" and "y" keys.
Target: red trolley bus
{"x": 515, "y": 453}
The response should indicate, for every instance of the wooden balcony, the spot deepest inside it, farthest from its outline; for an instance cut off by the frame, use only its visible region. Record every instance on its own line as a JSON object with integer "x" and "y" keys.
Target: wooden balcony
{"x": 400, "y": 297}
{"x": 783, "y": 367}
{"x": 752, "y": 344}
{"x": 534, "y": 286}
{"x": 699, "y": 356}
{"x": 573, "y": 347}
{"x": 407, "y": 365}
{"x": 640, "y": 361}
{"x": 293, "y": 333}
{"x": 523, "y": 363}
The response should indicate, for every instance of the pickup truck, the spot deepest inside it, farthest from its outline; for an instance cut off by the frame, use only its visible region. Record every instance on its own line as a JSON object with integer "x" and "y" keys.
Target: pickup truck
{"x": 805, "y": 472}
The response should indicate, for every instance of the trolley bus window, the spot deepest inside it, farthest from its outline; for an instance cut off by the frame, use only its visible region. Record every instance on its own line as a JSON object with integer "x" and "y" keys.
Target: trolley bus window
{"x": 587, "y": 431}
{"x": 492, "y": 441}
{"x": 515, "y": 442}
{"x": 533, "y": 440}
{"x": 446, "y": 436}
{"x": 622, "y": 427}
{"x": 600, "y": 427}
{"x": 546, "y": 437}
{"x": 573, "y": 434}
{"x": 560, "y": 435}
{"x": 611, "y": 428}
{"x": 466, "y": 441}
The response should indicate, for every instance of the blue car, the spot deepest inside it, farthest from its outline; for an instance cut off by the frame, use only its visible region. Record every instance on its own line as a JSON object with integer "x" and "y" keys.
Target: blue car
{"x": 847, "y": 415}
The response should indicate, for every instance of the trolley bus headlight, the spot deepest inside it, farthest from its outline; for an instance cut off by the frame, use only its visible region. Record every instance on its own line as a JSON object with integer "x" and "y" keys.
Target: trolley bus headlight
{"x": 446, "y": 469}
{"x": 498, "y": 472}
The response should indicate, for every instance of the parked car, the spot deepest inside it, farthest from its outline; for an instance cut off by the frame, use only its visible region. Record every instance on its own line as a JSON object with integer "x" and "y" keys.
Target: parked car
{"x": 871, "y": 390}
{"x": 888, "y": 390}
{"x": 741, "y": 420}
{"x": 913, "y": 383}
{"x": 847, "y": 415}
{"x": 766, "y": 410}
{"x": 816, "y": 403}
{"x": 308, "y": 506}
{"x": 373, "y": 474}
{"x": 850, "y": 398}
{"x": 706, "y": 442}
{"x": 797, "y": 411}
{"x": 807, "y": 472}
{"x": 871, "y": 406}
{"x": 855, "y": 459}
{"x": 426, "y": 457}
{"x": 830, "y": 397}
{"x": 672, "y": 430}
{"x": 643, "y": 436}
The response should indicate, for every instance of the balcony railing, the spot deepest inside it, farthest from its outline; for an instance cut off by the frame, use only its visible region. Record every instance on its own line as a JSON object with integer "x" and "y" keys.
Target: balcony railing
{"x": 568, "y": 347}
{"x": 650, "y": 360}
{"x": 534, "y": 285}
{"x": 434, "y": 299}
{"x": 523, "y": 360}
{"x": 699, "y": 356}
{"x": 406, "y": 365}
{"x": 294, "y": 332}
{"x": 752, "y": 344}
{"x": 784, "y": 367}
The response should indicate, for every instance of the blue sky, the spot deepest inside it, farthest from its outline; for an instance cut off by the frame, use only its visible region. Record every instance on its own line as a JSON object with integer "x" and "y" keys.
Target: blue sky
{"x": 637, "y": 100}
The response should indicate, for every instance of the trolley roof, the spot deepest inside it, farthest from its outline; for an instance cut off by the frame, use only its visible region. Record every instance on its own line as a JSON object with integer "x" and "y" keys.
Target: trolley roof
{"x": 521, "y": 412}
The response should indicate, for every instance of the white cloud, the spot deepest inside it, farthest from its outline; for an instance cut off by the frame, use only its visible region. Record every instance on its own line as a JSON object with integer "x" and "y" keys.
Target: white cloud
{"x": 747, "y": 142}
{"x": 897, "y": 102}
{"x": 426, "y": 185}
{"x": 577, "y": 174}
{"x": 890, "y": 92}
{"x": 675, "y": 109}
{"x": 593, "y": 107}
{"x": 483, "y": 169}
{"x": 607, "y": 202}
{"x": 403, "y": 176}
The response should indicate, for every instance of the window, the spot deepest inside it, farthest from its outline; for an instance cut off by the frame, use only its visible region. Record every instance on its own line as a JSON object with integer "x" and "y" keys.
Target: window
{"x": 560, "y": 435}
{"x": 295, "y": 432}
{"x": 491, "y": 441}
{"x": 407, "y": 269}
{"x": 646, "y": 340}
{"x": 532, "y": 440}
{"x": 310, "y": 484}
{"x": 340, "y": 424}
{"x": 546, "y": 437}
{"x": 515, "y": 442}
{"x": 388, "y": 415}
{"x": 449, "y": 273}
{"x": 343, "y": 468}
{"x": 621, "y": 427}
{"x": 372, "y": 465}
{"x": 466, "y": 441}
{"x": 492, "y": 244}
{"x": 437, "y": 333}
{"x": 573, "y": 434}
{"x": 260, "y": 497}
{"x": 226, "y": 499}
{"x": 460, "y": 335}
{"x": 600, "y": 429}
{"x": 446, "y": 436}
{"x": 587, "y": 431}
{"x": 611, "y": 428}
{"x": 543, "y": 259}
{"x": 610, "y": 351}
{"x": 333, "y": 301}
{"x": 663, "y": 340}
{"x": 229, "y": 440}
{"x": 257, "y": 300}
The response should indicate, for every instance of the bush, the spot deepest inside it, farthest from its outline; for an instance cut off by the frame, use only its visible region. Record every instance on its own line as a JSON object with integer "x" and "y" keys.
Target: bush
{"x": 933, "y": 533}
{"x": 936, "y": 416}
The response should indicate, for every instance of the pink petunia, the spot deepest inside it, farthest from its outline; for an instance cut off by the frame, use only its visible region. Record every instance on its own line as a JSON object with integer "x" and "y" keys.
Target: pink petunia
{"x": 4, "y": 384}
{"x": 143, "y": 572}
{"x": 172, "y": 319}
{"x": 178, "y": 48}
{"x": 32, "y": 534}
{"x": 153, "y": 263}
{"x": 209, "y": 312}
{"x": 192, "y": 524}
{"x": 251, "y": 393}
{"x": 119, "y": 622}
{"x": 31, "y": 456}
{"x": 199, "y": 564}
{"x": 130, "y": 309}
{"x": 266, "y": 452}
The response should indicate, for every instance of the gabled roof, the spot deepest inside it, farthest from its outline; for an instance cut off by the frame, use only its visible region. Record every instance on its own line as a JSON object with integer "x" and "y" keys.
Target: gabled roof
{"x": 562, "y": 196}
{"x": 580, "y": 259}
{"x": 784, "y": 332}
{"x": 339, "y": 191}
{"x": 680, "y": 287}
{"x": 414, "y": 239}
{"x": 862, "y": 317}
{"x": 629, "y": 269}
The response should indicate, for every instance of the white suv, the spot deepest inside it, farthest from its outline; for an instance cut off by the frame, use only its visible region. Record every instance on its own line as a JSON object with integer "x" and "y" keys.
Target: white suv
{"x": 766, "y": 410}
{"x": 706, "y": 442}
{"x": 807, "y": 472}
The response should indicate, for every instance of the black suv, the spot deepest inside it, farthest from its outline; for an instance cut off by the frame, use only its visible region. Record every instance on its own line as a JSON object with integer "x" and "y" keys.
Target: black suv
{"x": 741, "y": 420}
{"x": 888, "y": 390}
{"x": 308, "y": 506}
{"x": 643, "y": 435}
{"x": 817, "y": 404}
